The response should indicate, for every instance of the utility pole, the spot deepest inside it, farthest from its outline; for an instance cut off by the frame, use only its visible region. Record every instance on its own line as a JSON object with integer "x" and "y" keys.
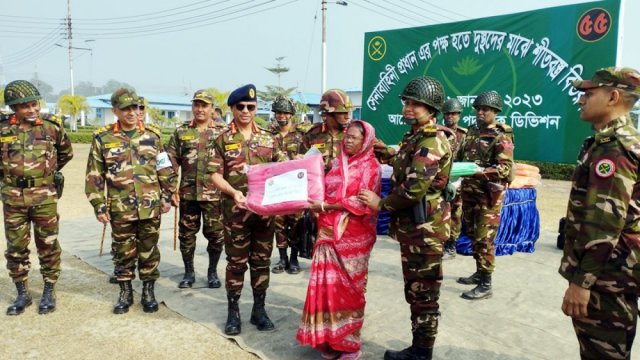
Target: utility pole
{"x": 69, "y": 38}
{"x": 324, "y": 41}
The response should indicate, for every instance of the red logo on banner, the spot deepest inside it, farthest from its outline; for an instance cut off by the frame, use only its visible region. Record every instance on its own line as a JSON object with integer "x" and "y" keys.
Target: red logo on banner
{"x": 594, "y": 25}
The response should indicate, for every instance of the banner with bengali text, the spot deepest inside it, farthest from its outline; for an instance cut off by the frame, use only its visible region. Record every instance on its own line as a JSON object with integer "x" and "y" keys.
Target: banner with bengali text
{"x": 530, "y": 58}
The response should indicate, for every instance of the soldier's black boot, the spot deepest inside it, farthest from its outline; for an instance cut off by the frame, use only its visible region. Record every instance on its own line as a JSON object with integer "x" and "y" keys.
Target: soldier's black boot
{"x": 449, "y": 250}
{"x": 212, "y": 271}
{"x": 113, "y": 279}
{"x": 189, "y": 274}
{"x": 259, "y": 316}
{"x": 233, "y": 326}
{"x": 149, "y": 303}
{"x": 283, "y": 264}
{"x": 474, "y": 279}
{"x": 125, "y": 299}
{"x": 482, "y": 291}
{"x": 48, "y": 301}
{"x": 23, "y": 300}
{"x": 294, "y": 267}
{"x": 411, "y": 353}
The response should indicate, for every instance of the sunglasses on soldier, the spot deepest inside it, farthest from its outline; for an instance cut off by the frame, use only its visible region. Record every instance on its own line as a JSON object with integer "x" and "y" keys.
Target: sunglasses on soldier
{"x": 250, "y": 107}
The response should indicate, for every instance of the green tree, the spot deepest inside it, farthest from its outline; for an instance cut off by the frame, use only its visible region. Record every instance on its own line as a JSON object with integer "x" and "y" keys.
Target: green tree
{"x": 273, "y": 91}
{"x": 45, "y": 90}
{"x": 1, "y": 96}
{"x": 278, "y": 70}
{"x": 220, "y": 99}
{"x": 157, "y": 117}
{"x": 73, "y": 105}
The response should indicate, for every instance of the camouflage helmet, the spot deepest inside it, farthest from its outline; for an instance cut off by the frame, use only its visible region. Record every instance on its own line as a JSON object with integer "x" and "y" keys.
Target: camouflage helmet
{"x": 283, "y": 104}
{"x": 20, "y": 92}
{"x": 488, "y": 98}
{"x": 335, "y": 101}
{"x": 452, "y": 105}
{"x": 426, "y": 90}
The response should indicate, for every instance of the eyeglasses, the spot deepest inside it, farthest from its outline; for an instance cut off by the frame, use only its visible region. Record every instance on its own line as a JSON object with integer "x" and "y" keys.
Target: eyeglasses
{"x": 241, "y": 107}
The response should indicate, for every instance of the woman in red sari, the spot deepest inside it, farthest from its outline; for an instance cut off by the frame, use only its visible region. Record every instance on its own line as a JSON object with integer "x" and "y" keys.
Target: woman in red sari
{"x": 334, "y": 309}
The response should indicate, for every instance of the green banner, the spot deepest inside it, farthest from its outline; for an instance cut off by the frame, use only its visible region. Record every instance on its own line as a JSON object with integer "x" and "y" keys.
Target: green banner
{"x": 529, "y": 58}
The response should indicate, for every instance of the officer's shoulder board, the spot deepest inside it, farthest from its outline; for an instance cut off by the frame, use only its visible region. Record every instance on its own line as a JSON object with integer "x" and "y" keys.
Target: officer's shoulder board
{"x": 103, "y": 130}
{"x": 430, "y": 131}
{"x": 154, "y": 128}
{"x": 505, "y": 128}
{"x": 462, "y": 130}
{"x": 52, "y": 119}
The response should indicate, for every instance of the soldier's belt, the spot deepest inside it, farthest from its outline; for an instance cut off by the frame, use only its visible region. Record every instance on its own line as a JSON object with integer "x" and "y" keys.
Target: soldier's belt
{"x": 28, "y": 182}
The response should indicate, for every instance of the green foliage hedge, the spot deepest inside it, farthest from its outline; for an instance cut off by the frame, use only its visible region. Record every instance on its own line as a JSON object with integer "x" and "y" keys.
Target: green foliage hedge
{"x": 553, "y": 171}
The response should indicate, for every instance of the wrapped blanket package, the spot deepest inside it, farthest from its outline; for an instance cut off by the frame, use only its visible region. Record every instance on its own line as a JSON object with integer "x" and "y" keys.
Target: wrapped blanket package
{"x": 284, "y": 188}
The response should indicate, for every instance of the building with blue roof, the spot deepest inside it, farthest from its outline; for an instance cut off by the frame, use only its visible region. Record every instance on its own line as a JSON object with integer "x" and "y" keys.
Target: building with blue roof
{"x": 170, "y": 107}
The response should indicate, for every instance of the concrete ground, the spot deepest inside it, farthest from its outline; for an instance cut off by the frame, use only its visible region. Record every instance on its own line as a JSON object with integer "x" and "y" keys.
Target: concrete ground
{"x": 523, "y": 320}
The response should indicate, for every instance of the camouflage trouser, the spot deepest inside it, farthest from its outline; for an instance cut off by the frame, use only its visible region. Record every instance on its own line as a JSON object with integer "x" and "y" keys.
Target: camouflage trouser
{"x": 285, "y": 230}
{"x": 610, "y": 328}
{"x": 421, "y": 254}
{"x": 482, "y": 221}
{"x": 136, "y": 241}
{"x": 190, "y": 214}
{"x": 456, "y": 217}
{"x": 248, "y": 238}
{"x": 17, "y": 228}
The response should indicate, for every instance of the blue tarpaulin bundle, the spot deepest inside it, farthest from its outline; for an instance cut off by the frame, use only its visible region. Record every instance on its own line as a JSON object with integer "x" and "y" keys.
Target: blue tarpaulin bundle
{"x": 384, "y": 216}
{"x": 519, "y": 225}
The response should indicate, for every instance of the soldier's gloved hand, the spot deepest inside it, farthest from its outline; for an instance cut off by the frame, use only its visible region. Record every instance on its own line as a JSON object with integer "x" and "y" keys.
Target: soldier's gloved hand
{"x": 103, "y": 218}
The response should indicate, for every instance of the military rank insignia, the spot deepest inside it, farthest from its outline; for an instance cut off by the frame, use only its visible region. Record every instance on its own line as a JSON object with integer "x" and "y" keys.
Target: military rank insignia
{"x": 605, "y": 168}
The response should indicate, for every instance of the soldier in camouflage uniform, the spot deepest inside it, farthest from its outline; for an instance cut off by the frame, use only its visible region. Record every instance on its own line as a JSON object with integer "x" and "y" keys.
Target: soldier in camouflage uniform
{"x": 248, "y": 237}
{"x": 490, "y": 145}
{"x": 34, "y": 147}
{"x": 336, "y": 108}
{"x": 451, "y": 111}
{"x": 290, "y": 140}
{"x": 419, "y": 214}
{"x": 602, "y": 240}
{"x": 190, "y": 148}
{"x": 129, "y": 160}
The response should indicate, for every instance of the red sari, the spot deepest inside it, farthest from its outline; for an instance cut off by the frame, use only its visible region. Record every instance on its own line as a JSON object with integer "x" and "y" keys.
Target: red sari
{"x": 334, "y": 308}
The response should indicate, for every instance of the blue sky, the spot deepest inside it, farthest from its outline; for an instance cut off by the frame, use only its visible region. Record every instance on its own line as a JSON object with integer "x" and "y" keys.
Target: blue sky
{"x": 192, "y": 44}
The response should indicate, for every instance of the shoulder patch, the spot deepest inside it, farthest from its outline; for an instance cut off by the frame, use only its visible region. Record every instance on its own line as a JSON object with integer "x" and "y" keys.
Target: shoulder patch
{"x": 605, "y": 168}
{"x": 630, "y": 141}
{"x": 52, "y": 119}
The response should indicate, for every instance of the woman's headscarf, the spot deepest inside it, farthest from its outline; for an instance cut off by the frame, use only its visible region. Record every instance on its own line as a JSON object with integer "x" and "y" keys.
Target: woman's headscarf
{"x": 363, "y": 155}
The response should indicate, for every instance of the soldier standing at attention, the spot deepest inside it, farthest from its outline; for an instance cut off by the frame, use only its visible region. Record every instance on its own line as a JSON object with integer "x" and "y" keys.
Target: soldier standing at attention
{"x": 451, "y": 111}
{"x": 128, "y": 158}
{"x": 602, "y": 241}
{"x": 336, "y": 107}
{"x": 34, "y": 147}
{"x": 490, "y": 145}
{"x": 248, "y": 237}
{"x": 419, "y": 214}
{"x": 290, "y": 140}
{"x": 190, "y": 148}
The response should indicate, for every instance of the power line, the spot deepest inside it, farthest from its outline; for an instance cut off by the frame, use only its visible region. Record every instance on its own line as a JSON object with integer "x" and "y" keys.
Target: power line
{"x": 313, "y": 32}
{"x": 380, "y": 13}
{"x": 395, "y": 12}
{"x": 429, "y": 11}
{"x": 412, "y": 11}
{"x": 47, "y": 39}
{"x": 185, "y": 26}
{"x": 447, "y": 10}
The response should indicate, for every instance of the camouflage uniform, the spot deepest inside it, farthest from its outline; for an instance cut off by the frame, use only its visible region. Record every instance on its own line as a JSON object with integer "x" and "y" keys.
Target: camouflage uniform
{"x": 456, "y": 203}
{"x": 29, "y": 159}
{"x": 329, "y": 145}
{"x": 491, "y": 147}
{"x": 191, "y": 150}
{"x": 594, "y": 216}
{"x": 248, "y": 236}
{"x": 602, "y": 236}
{"x": 421, "y": 169}
{"x": 135, "y": 189}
